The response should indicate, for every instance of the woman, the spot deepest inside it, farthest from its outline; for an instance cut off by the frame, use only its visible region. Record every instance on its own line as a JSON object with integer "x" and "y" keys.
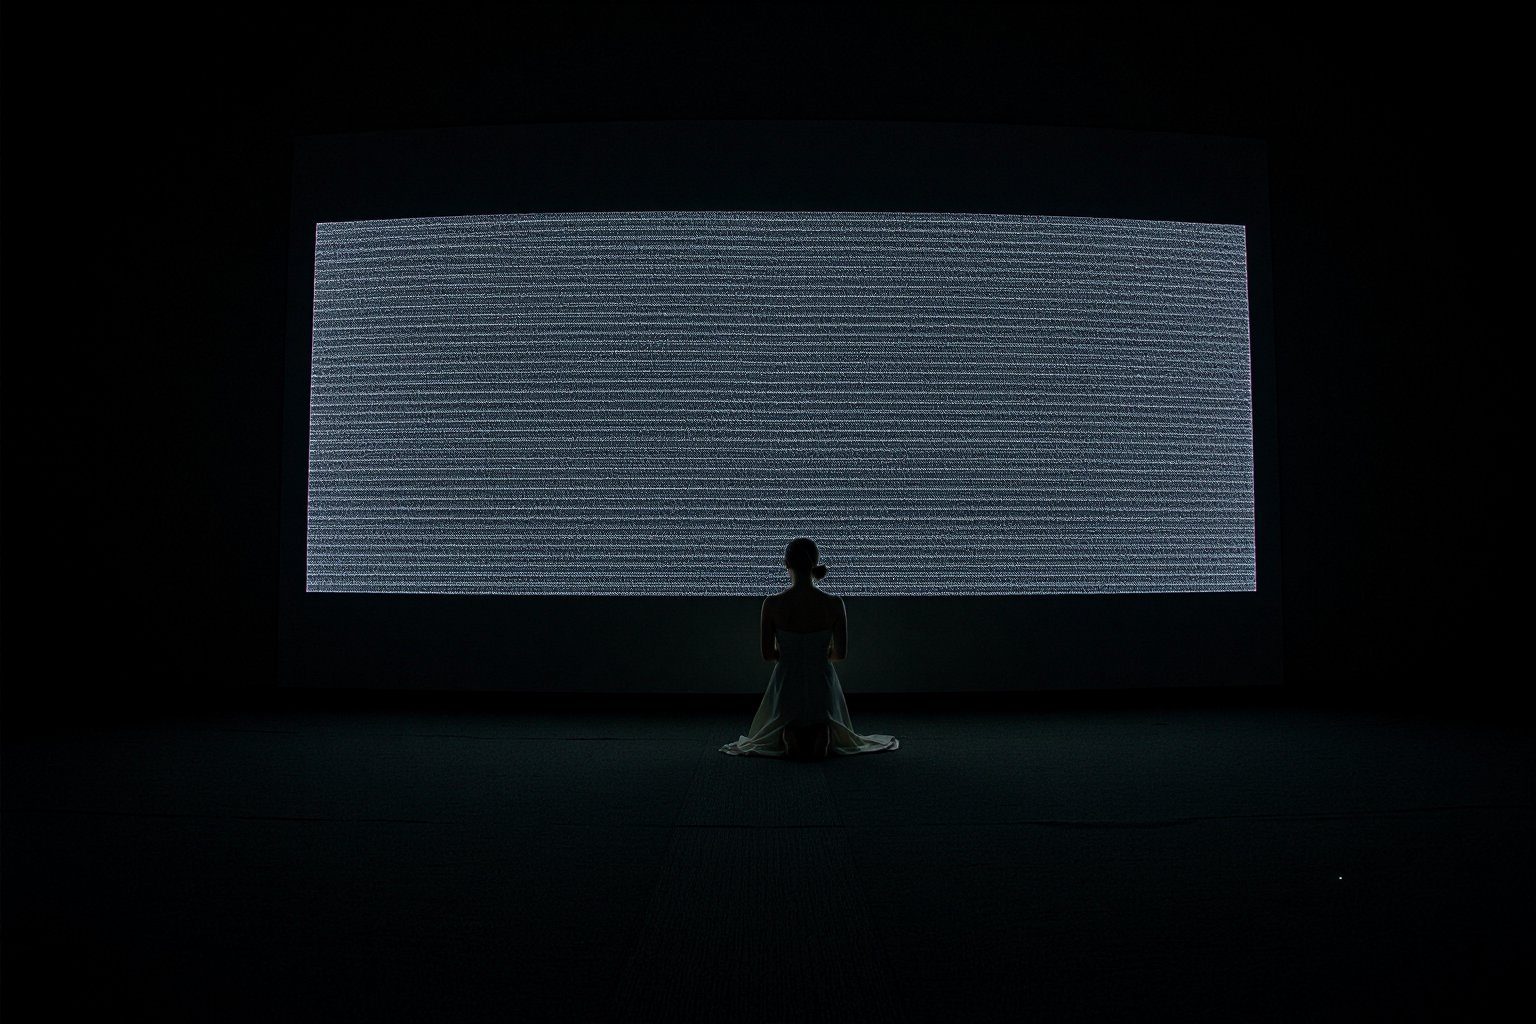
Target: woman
{"x": 803, "y": 715}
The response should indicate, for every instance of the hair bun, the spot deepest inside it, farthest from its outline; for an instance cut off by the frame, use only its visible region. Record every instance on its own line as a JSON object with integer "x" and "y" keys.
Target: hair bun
{"x": 820, "y": 572}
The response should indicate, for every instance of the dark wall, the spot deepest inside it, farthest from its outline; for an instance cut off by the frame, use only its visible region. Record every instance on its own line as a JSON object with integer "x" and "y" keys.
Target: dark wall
{"x": 145, "y": 214}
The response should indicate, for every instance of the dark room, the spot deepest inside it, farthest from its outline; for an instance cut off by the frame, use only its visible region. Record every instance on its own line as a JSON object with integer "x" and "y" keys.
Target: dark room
{"x": 631, "y": 512}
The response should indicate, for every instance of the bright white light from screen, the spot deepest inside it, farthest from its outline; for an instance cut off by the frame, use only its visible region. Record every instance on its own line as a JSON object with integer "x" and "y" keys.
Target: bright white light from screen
{"x": 655, "y": 403}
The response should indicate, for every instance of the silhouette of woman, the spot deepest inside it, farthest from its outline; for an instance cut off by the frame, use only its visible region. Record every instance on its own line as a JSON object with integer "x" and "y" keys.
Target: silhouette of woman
{"x": 803, "y": 715}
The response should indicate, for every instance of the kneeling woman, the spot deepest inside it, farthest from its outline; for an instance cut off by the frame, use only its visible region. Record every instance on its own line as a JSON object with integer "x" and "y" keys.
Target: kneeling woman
{"x": 803, "y": 715}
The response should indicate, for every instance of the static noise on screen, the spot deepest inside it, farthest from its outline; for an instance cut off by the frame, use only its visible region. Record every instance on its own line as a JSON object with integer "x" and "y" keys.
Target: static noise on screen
{"x": 655, "y": 403}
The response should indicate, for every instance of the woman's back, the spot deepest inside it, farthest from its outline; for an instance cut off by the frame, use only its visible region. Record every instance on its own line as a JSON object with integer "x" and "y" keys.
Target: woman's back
{"x": 805, "y": 610}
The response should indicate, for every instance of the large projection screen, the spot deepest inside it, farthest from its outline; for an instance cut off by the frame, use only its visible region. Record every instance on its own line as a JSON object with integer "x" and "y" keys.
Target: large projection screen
{"x": 594, "y": 403}
{"x": 559, "y": 394}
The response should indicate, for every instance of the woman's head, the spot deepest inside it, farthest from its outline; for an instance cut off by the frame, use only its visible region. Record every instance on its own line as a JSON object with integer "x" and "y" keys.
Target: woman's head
{"x": 802, "y": 559}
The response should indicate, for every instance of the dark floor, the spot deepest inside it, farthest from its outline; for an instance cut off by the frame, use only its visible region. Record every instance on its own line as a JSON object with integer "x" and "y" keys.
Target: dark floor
{"x": 1087, "y": 863}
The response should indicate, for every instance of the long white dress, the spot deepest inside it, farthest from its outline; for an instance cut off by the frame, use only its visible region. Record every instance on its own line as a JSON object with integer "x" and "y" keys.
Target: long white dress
{"x": 804, "y": 688}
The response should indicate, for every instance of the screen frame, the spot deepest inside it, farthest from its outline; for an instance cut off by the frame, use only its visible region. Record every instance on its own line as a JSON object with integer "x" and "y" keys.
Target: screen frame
{"x": 917, "y": 644}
